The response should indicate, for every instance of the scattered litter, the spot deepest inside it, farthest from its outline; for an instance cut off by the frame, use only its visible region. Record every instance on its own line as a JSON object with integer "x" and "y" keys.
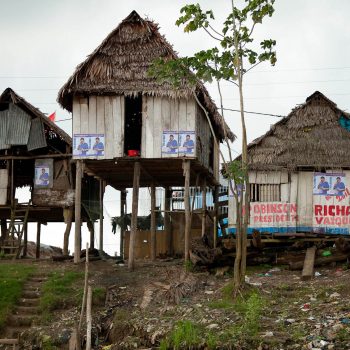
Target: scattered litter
{"x": 290, "y": 320}
{"x": 334, "y": 295}
{"x": 326, "y": 253}
{"x": 275, "y": 269}
{"x": 318, "y": 274}
{"x": 209, "y": 292}
{"x": 345, "y": 320}
{"x": 268, "y": 334}
{"x": 246, "y": 279}
{"x": 213, "y": 326}
{"x": 305, "y": 307}
{"x": 122, "y": 287}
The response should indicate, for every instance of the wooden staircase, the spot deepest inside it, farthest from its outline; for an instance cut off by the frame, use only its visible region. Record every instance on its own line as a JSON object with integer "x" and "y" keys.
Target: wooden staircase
{"x": 12, "y": 244}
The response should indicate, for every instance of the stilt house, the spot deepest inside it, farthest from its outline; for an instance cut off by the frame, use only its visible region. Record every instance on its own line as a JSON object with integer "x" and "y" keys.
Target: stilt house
{"x": 299, "y": 172}
{"x": 124, "y": 120}
{"x": 34, "y": 153}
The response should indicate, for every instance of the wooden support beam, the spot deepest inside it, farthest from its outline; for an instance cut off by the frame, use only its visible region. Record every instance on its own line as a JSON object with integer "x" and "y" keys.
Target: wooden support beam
{"x": 77, "y": 237}
{"x": 135, "y": 204}
{"x": 102, "y": 191}
{"x": 123, "y": 210}
{"x": 91, "y": 227}
{"x": 25, "y": 240}
{"x": 68, "y": 218}
{"x": 204, "y": 204}
{"x": 167, "y": 222}
{"x": 38, "y": 233}
{"x": 216, "y": 215}
{"x": 187, "y": 174}
{"x": 3, "y": 229}
{"x": 153, "y": 223}
{"x": 308, "y": 269}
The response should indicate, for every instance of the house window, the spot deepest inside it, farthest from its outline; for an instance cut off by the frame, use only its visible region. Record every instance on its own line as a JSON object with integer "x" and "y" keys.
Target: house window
{"x": 133, "y": 124}
{"x": 265, "y": 193}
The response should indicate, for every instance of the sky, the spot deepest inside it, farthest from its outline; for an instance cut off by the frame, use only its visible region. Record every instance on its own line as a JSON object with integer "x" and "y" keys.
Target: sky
{"x": 43, "y": 41}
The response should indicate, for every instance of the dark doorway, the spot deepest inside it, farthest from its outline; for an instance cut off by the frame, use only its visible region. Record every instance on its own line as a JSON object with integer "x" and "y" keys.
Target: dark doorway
{"x": 133, "y": 124}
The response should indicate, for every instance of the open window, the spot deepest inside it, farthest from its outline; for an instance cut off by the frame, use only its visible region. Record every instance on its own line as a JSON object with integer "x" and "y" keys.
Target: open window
{"x": 133, "y": 125}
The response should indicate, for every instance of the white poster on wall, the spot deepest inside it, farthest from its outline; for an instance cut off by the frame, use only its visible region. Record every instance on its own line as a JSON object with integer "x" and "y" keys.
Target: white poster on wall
{"x": 42, "y": 175}
{"x": 187, "y": 143}
{"x": 170, "y": 143}
{"x": 88, "y": 145}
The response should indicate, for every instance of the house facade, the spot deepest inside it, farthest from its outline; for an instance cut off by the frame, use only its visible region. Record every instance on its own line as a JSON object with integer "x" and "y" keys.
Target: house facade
{"x": 299, "y": 172}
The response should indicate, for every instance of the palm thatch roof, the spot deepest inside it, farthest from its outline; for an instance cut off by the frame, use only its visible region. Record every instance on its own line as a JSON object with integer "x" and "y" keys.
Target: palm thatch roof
{"x": 10, "y": 96}
{"x": 120, "y": 66}
{"x": 310, "y": 136}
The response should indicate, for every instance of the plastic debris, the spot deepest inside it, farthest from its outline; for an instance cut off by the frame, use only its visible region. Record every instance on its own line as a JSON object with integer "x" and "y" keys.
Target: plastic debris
{"x": 326, "y": 253}
{"x": 317, "y": 274}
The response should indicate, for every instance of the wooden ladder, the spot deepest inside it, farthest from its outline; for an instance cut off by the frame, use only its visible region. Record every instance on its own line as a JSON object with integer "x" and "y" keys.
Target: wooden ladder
{"x": 16, "y": 226}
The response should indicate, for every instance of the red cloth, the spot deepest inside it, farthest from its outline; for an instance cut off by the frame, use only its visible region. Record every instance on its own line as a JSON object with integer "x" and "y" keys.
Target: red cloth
{"x": 52, "y": 116}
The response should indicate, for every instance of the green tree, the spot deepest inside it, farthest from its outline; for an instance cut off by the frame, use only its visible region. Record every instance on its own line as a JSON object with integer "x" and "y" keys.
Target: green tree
{"x": 234, "y": 56}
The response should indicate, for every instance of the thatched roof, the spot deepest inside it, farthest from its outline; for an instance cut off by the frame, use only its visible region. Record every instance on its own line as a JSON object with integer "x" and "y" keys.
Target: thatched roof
{"x": 120, "y": 66}
{"x": 310, "y": 136}
{"x": 9, "y": 96}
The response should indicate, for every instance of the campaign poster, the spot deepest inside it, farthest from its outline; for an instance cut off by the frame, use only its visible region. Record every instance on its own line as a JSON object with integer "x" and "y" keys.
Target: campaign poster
{"x": 42, "y": 176}
{"x": 170, "y": 143}
{"x": 329, "y": 184}
{"x": 88, "y": 145}
{"x": 187, "y": 143}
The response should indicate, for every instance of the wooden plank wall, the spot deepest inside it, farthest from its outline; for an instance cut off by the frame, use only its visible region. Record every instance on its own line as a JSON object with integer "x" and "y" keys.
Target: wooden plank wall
{"x": 203, "y": 138}
{"x": 3, "y": 186}
{"x": 101, "y": 115}
{"x": 305, "y": 198}
{"x": 163, "y": 114}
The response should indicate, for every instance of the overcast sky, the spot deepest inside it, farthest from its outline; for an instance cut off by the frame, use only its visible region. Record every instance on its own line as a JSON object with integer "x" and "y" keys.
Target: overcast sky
{"x": 43, "y": 41}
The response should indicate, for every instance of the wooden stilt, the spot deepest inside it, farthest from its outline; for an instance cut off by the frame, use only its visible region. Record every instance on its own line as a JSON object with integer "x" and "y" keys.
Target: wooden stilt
{"x": 102, "y": 190}
{"x": 91, "y": 228}
{"x": 153, "y": 223}
{"x": 167, "y": 222}
{"x": 68, "y": 218}
{"x": 3, "y": 229}
{"x": 216, "y": 214}
{"x": 123, "y": 211}
{"x": 135, "y": 199}
{"x": 77, "y": 237}
{"x": 204, "y": 205}
{"x": 187, "y": 174}
{"x": 25, "y": 240}
{"x": 38, "y": 232}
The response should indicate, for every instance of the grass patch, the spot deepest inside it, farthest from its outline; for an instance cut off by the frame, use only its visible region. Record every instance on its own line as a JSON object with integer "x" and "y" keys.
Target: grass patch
{"x": 188, "y": 335}
{"x": 60, "y": 291}
{"x": 12, "y": 278}
{"x": 221, "y": 304}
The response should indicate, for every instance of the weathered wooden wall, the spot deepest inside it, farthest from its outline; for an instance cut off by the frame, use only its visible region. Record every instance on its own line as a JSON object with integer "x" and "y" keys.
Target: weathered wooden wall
{"x": 101, "y": 115}
{"x": 3, "y": 186}
{"x": 164, "y": 114}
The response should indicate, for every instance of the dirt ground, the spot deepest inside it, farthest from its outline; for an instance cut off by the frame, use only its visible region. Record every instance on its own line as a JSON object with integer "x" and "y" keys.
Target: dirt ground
{"x": 144, "y": 307}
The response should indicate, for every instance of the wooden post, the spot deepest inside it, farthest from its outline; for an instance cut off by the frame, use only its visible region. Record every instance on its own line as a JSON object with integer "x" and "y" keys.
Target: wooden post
{"x": 135, "y": 200}
{"x": 77, "y": 237}
{"x": 91, "y": 227}
{"x": 102, "y": 189}
{"x": 167, "y": 222}
{"x": 308, "y": 269}
{"x": 216, "y": 214}
{"x": 25, "y": 240}
{"x": 3, "y": 229}
{"x": 123, "y": 211}
{"x": 88, "y": 319}
{"x": 187, "y": 174}
{"x": 38, "y": 232}
{"x": 153, "y": 223}
{"x": 83, "y": 305}
{"x": 204, "y": 205}
{"x": 68, "y": 218}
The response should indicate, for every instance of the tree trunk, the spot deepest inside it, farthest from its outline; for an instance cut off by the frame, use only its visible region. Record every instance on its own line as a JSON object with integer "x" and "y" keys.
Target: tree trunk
{"x": 187, "y": 169}
{"x": 153, "y": 223}
{"x": 38, "y": 232}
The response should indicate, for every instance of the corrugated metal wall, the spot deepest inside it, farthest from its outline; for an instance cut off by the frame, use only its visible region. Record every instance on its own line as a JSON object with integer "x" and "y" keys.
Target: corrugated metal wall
{"x": 18, "y": 127}
{"x": 36, "y": 135}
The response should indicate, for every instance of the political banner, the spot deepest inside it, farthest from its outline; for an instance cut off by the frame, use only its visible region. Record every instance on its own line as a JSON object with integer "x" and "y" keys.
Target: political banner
{"x": 88, "y": 145}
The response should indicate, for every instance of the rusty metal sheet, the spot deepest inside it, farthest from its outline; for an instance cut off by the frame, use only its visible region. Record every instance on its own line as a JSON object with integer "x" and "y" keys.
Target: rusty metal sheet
{"x": 19, "y": 126}
{"x": 53, "y": 198}
{"x": 4, "y": 123}
{"x": 36, "y": 135}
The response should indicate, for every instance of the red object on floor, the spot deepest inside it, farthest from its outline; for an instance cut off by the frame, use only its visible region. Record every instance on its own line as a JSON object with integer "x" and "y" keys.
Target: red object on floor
{"x": 133, "y": 153}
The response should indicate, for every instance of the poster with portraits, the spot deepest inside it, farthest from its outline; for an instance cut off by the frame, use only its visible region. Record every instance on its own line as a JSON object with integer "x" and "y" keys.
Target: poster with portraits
{"x": 88, "y": 145}
{"x": 179, "y": 143}
{"x": 43, "y": 173}
{"x": 329, "y": 184}
{"x": 170, "y": 143}
{"x": 187, "y": 143}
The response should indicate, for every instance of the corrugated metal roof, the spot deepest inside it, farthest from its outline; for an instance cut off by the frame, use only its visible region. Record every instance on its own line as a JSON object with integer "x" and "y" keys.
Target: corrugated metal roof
{"x": 4, "y": 119}
{"x": 36, "y": 135}
{"x": 19, "y": 126}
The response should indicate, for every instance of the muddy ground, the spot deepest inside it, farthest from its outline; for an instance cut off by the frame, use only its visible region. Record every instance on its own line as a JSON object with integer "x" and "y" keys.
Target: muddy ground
{"x": 153, "y": 306}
